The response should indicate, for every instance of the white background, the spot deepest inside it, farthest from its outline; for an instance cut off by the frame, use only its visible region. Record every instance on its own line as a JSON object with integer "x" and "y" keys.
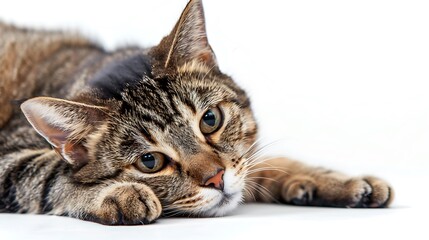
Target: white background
{"x": 342, "y": 84}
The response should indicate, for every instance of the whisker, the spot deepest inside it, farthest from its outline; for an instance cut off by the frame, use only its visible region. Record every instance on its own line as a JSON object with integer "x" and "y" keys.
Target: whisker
{"x": 172, "y": 213}
{"x": 259, "y": 161}
{"x": 250, "y": 148}
{"x": 265, "y": 178}
{"x": 263, "y": 148}
{"x": 262, "y": 190}
{"x": 266, "y": 169}
{"x": 249, "y": 191}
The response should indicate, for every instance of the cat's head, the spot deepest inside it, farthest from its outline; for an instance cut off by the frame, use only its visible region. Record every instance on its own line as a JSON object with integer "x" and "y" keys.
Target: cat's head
{"x": 169, "y": 119}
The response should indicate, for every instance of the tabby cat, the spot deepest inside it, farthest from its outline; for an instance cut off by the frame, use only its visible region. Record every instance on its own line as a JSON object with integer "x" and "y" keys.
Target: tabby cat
{"x": 125, "y": 137}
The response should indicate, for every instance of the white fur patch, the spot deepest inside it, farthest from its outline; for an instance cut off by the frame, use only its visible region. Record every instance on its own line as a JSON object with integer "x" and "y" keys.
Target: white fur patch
{"x": 219, "y": 204}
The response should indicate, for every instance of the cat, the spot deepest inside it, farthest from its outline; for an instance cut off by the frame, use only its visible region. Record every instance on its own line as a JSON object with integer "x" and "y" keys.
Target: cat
{"x": 128, "y": 136}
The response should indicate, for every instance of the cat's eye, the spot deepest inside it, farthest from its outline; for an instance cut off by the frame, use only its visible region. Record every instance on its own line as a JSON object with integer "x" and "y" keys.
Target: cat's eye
{"x": 151, "y": 162}
{"x": 211, "y": 121}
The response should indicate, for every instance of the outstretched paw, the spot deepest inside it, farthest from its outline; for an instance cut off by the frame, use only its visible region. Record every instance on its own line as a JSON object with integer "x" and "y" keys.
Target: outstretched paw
{"x": 373, "y": 193}
{"x": 365, "y": 192}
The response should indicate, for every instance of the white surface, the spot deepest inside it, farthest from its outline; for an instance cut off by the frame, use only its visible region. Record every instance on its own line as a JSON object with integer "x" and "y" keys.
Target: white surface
{"x": 407, "y": 219}
{"x": 342, "y": 84}
{"x": 250, "y": 222}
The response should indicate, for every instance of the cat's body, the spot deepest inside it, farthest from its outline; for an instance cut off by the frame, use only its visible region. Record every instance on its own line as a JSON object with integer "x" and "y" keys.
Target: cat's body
{"x": 141, "y": 132}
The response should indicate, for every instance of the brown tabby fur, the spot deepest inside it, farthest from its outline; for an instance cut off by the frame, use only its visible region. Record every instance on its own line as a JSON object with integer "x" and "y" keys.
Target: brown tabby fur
{"x": 93, "y": 113}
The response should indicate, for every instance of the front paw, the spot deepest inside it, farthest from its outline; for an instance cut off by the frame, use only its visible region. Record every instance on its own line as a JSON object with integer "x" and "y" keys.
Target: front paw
{"x": 369, "y": 192}
{"x": 366, "y": 192}
{"x": 128, "y": 204}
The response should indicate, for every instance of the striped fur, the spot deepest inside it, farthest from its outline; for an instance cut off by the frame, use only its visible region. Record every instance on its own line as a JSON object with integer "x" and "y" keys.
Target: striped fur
{"x": 89, "y": 115}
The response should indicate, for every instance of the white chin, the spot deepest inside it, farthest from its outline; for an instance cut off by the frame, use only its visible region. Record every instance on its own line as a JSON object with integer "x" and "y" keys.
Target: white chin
{"x": 222, "y": 203}
{"x": 224, "y": 206}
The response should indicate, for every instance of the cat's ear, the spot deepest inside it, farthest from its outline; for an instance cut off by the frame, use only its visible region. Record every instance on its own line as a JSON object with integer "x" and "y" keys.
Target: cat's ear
{"x": 64, "y": 124}
{"x": 188, "y": 41}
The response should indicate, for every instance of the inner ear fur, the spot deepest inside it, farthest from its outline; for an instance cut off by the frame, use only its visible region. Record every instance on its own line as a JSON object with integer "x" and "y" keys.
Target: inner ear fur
{"x": 65, "y": 125}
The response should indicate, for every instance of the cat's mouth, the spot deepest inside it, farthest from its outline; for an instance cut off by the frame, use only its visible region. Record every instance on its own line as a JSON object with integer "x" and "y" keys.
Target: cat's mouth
{"x": 224, "y": 205}
{"x": 225, "y": 199}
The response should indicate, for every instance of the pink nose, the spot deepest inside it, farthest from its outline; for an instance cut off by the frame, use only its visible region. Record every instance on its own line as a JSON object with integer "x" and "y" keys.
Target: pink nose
{"x": 216, "y": 181}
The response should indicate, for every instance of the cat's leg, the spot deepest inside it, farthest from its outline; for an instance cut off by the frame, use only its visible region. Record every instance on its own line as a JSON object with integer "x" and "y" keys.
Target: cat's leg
{"x": 284, "y": 180}
{"x": 114, "y": 204}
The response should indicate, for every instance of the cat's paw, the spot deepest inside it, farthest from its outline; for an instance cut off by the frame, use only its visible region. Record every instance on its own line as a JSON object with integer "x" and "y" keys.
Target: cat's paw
{"x": 366, "y": 192}
{"x": 128, "y": 204}
{"x": 298, "y": 190}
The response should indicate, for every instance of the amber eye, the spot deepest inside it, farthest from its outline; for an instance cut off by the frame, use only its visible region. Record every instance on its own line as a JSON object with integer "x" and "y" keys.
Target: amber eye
{"x": 211, "y": 121}
{"x": 151, "y": 162}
